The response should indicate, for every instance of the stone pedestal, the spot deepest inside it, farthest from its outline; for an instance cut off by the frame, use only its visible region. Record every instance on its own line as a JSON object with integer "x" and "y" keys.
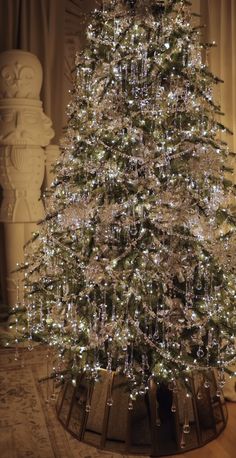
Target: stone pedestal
{"x": 25, "y": 132}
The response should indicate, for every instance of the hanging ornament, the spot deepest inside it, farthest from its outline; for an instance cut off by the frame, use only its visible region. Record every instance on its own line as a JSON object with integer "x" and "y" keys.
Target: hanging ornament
{"x": 159, "y": 8}
{"x": 186, "y": 426}
{"x": 174, "y": 401}
{"x": 131, "y": 3}
{"x": 109, "y": 396}
{"x": 158, "y": 420}
{"x": 182, "y": 442}
{"x": 130, "y": 404}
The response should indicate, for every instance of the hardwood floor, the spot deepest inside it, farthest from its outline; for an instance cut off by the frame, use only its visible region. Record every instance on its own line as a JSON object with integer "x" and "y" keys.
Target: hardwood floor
{"x": 29, "y": 427}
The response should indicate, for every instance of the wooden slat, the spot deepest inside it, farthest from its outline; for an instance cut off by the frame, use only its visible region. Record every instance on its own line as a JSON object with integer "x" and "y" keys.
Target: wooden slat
{"x": 107, "y": 411}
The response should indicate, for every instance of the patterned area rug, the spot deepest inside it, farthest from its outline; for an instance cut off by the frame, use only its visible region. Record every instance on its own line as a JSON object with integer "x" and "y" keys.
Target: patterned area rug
{"x": 29, "y": 427}
{"x": 21, "y": 411}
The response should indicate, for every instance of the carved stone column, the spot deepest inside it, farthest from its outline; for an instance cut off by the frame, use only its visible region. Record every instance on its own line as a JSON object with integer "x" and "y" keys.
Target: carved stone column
{"x": 25, "y": 131}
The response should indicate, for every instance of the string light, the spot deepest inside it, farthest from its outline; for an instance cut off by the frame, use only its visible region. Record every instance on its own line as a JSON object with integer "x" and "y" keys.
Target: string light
{"x": 131, "y": 270}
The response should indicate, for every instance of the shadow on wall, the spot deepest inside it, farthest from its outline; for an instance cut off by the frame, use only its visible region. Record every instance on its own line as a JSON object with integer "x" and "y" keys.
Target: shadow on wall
{"x": 2, "y": 256}
{"x": 2, "y": 259}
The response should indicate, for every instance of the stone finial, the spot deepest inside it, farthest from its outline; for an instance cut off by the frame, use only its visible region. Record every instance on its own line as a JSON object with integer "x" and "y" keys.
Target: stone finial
{"x": 20, "y": 75}
{"x": 22, "y": 120}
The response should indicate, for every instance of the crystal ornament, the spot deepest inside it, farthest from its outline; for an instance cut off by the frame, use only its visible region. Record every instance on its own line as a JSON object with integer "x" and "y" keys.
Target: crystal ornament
{"x": 133, "y": 270}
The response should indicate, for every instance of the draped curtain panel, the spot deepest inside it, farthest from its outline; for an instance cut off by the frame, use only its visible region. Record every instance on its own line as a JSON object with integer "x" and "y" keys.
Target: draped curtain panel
{"x": 219, "y": 16}
{"x": 77, "y": 16}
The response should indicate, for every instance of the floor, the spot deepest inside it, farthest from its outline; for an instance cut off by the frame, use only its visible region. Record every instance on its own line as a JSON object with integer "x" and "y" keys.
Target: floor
{"x": 29, "y": 427}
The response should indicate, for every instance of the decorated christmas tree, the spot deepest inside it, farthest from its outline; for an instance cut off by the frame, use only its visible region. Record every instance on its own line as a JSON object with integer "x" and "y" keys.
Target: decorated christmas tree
{"x": 133, "y": 269}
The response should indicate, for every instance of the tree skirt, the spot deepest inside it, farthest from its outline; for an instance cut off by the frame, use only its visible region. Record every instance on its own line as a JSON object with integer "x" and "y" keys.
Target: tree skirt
{"x": 162, "y": 422}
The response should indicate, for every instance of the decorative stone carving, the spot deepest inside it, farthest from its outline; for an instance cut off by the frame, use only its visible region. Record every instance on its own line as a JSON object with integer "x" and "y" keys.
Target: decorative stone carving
{"x": 25, "y": 131}
{"x": 22, "y": 174}
{"x": 23, "y": 122}
{"x": 20, "y": 75}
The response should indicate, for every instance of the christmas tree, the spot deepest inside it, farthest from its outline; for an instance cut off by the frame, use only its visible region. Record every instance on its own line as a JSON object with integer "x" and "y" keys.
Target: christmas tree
{"x": 133, "y": 268}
